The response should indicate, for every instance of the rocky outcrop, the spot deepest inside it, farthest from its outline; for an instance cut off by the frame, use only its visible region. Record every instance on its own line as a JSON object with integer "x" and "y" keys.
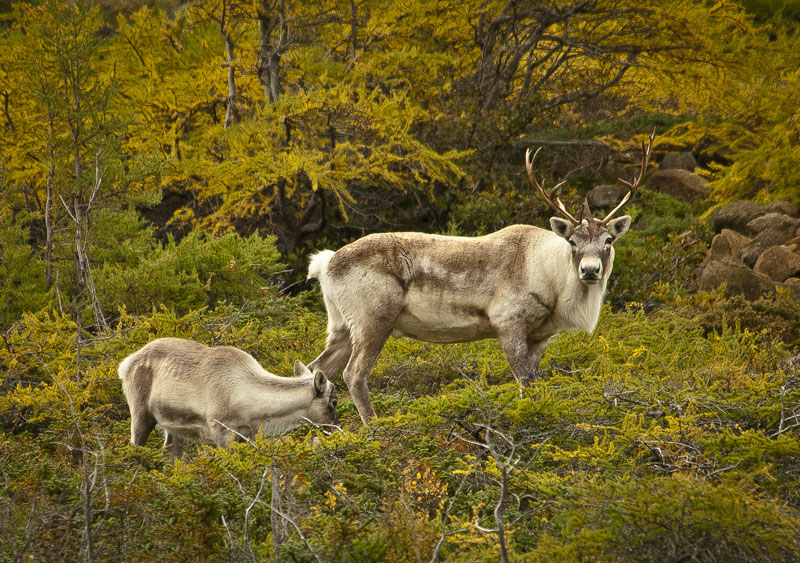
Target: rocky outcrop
{"x": 738, "y": 279}
{"x": 794, "y": 244}
{"x": 772, "y": 229}
{"x": 756, "y": 250}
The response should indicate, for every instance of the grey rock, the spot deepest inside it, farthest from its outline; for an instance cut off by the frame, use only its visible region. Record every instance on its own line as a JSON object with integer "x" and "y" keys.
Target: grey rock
{"x": 679, "y": 161}
{"x": 680, "y": 184}
{"x": 778, "y": 263}
{"x": 778, "y": 221}
{"x": 767, "y": 238}
{"x": 604, "y": 196}
{"x": 726, "y": 244}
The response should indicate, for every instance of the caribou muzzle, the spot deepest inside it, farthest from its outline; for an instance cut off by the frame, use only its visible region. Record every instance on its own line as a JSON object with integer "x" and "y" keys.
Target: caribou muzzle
{"x": 591, "y": 270}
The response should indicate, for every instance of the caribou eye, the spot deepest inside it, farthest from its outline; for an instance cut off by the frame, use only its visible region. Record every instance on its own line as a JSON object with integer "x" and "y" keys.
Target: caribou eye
{"x": 609, "y": 240}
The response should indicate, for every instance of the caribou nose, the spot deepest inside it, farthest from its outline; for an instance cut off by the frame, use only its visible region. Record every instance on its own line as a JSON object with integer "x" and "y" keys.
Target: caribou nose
{"x": 591, "y": 269}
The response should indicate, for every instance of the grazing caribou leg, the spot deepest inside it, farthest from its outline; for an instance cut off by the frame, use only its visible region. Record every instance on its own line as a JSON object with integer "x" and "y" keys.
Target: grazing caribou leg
{"x": 221, "y": 435}
{"x": 174, "y": 446}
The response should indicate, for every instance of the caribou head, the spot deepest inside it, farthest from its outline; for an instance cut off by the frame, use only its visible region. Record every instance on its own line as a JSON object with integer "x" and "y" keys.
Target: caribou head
{"x": 590, "y": 238}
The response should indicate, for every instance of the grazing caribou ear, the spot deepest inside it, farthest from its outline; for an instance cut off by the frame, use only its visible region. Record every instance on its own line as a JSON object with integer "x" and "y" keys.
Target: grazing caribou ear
{"x": 561, "y": 227}
{"x": 300, "y": 369}
{"x": 620, "y": 226}
{"x": 320, "y": 382}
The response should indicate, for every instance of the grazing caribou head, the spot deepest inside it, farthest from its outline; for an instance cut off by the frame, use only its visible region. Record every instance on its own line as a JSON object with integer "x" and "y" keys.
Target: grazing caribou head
{"x": 591, "y": 239}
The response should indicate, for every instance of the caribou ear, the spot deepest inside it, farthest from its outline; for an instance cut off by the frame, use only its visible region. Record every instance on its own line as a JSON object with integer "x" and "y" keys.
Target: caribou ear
{"x": 561, "y": 227}
{"x": 300, "y": 369}
{"x": 320, "y": 382}
{"x": 619, "y": 226}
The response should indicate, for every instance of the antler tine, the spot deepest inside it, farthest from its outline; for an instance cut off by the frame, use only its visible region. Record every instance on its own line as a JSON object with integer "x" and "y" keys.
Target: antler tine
{"x": 633, "y": 186}
{"x": 550, "y": 198}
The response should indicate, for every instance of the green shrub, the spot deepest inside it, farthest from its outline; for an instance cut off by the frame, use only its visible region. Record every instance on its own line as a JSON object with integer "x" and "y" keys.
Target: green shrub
{"x": 775, "y": 316}
{"x": 675, "y": 518}
{"x": 23, "y": 286}
{"x": 198, "y": 271}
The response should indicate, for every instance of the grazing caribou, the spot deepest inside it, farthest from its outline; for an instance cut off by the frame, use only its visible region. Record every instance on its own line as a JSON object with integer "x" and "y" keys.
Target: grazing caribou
{"x": 521, "y": 285}
{"x": 207, "y": 394}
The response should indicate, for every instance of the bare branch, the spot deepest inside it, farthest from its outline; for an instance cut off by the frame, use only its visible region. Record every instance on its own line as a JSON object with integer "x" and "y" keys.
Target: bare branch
{"x": 633, "y": 186}
{"x": 550, "y": 198}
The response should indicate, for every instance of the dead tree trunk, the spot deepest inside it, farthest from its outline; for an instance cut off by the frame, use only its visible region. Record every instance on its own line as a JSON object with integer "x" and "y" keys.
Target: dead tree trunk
{"x": 272, "y": 19}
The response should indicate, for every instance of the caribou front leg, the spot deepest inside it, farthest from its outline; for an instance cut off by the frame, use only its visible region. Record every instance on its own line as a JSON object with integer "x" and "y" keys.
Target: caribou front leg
{"x": 535, "y": 350}
{"x": 522, "y": 355}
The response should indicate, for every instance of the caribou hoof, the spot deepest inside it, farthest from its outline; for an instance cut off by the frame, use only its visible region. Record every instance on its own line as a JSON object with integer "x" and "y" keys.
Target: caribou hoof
{"x": 531, "y": 379}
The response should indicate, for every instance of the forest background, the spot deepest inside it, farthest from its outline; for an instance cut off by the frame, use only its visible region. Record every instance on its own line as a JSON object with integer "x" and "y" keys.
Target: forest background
{"x": 166, "y": 167}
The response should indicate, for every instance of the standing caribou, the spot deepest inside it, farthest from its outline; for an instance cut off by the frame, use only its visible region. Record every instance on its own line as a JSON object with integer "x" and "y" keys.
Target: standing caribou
{"x": 211, "y": 394}
{"x": 521, "y": 285}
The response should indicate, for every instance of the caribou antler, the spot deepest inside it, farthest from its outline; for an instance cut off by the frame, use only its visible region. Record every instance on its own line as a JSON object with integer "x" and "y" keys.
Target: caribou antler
{"x": 586, "y": 213}
{"x": 551, "y": 198}
{"x": 633, "y": 187}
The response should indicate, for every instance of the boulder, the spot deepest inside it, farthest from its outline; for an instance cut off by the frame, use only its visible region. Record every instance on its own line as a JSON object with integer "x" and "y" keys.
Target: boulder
{"x": 680, "y": 184}
{"x": 778, "y": 221}
{"x": 738, "y": 279}
{"x": 794, "y": 284}
{"x": 604, "y": 196}
{"x": 767, "y": 238}
{"x": 778, "y": 263}
{"x": 679, "y": 161}
{"x": 726, "y": 244}
{"x": 794, "y": 244}
{"x": 737, "y": 215}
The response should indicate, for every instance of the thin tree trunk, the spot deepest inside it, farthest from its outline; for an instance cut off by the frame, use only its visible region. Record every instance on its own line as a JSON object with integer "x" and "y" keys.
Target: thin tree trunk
{"x": 84, "y": 266}
{"x": 279, "y": 531}
{"x": 353, "y": 30}
{"x": 499, "y": 513}
{"x": 82, "y": 229}
{"x": 48, "y": 216}
{"x": 231, "y": 115}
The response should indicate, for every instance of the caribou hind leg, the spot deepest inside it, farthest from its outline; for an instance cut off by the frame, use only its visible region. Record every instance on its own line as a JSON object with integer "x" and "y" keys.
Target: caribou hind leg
{"x": 365, "y": 354}
{"x": 369, "y": 332}
{"x": 337, "y": 353}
